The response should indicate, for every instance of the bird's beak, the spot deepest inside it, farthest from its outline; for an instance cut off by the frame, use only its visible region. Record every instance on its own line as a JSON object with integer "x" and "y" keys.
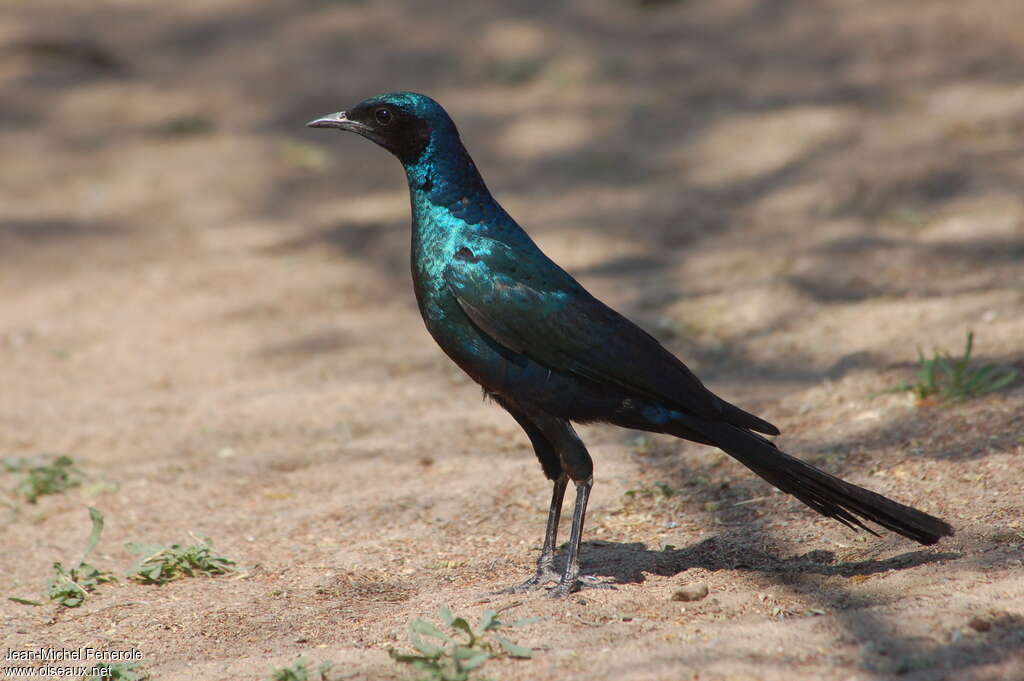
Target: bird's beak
{"x": 336, "y": 120}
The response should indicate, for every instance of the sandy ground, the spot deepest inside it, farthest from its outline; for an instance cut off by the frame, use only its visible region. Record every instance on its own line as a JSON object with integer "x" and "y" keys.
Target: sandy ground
{"x": 208, "y": 306}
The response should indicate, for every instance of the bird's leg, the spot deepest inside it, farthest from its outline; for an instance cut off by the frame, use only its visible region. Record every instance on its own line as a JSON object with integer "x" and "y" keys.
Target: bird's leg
{"x": 547, "y": 553}
{"x": 545, "y": 564}
{"x": 563, "y": 456}
{"x": 569, "y": 581}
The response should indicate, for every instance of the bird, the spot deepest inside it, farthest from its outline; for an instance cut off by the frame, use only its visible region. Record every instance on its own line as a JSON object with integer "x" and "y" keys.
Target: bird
{"x": 551, "y": 354}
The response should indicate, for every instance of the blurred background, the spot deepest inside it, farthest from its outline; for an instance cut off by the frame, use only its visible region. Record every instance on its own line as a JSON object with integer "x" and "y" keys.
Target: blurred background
{"x": 830, "y": 153}
{"x": 204, "y": 299}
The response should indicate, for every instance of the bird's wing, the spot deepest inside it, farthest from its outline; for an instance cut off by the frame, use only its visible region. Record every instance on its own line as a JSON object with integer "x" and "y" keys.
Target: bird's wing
{"x": 531, "y": 306}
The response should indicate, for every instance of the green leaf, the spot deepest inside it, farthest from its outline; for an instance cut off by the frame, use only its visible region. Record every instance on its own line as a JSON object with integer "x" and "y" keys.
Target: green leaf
{"x": 487, "y": 620}
{"x": 298, "y": 671}
{"x": 967, "y": 349}
{"x": 454, "y": 675}
{"x": 427, "y": 629}
{"x": 53, "y": 478}
{"x": 461, "y": 623}
{"x": 950, "y": 378}
{"x": 161, "y": 564}
{"x": 456, "y": 659}
{"x": 1006, "y": 379}
{"x": 513, "y": 649}
{"x": 473, "y": 659}
{"x": 408, "y": 659}
{"x": 89, "y": 576}
{"x": 430, "y": 667}
{"x": 14, "y": 464}
{"x": 24, "y": 601}
{"x": 428, "y": 649}
{"x": 63, "y": 588}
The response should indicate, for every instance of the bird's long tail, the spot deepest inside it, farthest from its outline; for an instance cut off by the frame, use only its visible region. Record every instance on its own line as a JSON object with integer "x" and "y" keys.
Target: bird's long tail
{"x": 826, "y": 494}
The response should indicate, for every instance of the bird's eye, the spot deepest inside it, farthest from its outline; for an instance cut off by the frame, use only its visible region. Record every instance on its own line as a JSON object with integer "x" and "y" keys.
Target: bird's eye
{"x": 383, "y": 116}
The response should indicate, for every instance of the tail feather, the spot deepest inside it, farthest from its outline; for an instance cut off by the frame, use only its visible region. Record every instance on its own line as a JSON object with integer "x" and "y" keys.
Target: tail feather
{"x": 826, "y": 494}
{"x": 744, "y": 419}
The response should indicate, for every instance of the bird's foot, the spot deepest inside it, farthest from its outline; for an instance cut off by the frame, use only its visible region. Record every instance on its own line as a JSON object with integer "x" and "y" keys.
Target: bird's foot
{"x": 544, "y": 576}
{"x": 566, "y": 587}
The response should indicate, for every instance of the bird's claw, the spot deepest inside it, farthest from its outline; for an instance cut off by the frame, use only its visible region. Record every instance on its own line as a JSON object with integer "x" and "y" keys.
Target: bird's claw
{"x": 564, "y": 588}
{"x": 543, "y": 577}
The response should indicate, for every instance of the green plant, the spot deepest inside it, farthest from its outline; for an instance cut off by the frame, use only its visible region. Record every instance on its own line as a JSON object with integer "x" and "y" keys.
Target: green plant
{"x": 70, "y": 587}
{"x": 299, "y": 671}
{"x": 944, "y": 377}
{"x": 51, "y": 478}
{"x": 118, "y": 671}
{"x": 458, "y": 655}
{"x": 162, "y": 564}
{"x": 14, "y": 464}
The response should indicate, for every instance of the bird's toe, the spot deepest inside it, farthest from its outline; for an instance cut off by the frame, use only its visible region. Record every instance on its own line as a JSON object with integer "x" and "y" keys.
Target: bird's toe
{"x": 564, "y": 588}
{"x": 535, "y": 583}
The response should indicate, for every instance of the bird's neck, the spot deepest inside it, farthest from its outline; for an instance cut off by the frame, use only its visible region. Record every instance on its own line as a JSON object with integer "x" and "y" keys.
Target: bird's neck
{"x": 449, "y": 199}
{"x": 445, "y": 175}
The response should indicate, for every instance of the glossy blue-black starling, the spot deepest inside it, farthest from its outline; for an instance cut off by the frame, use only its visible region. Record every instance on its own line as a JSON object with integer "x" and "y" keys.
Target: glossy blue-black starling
{"x": 550, "y": 353}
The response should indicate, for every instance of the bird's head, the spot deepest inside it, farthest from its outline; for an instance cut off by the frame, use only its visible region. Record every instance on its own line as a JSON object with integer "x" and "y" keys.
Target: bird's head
{"x": 404, "y": 123}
